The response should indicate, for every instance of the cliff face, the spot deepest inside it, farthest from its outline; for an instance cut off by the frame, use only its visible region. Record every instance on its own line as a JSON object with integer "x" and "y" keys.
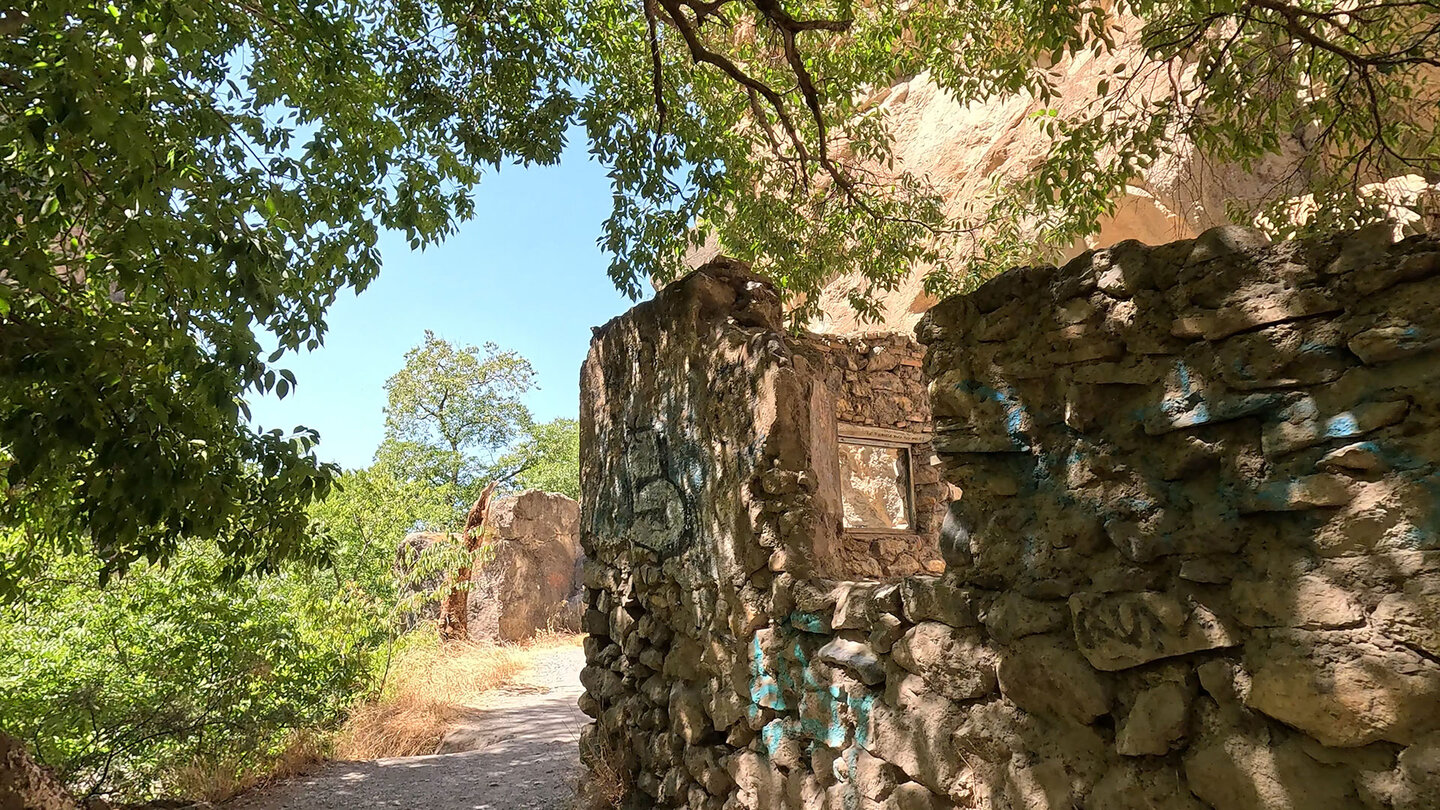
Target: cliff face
{"x": 964, "y": 149}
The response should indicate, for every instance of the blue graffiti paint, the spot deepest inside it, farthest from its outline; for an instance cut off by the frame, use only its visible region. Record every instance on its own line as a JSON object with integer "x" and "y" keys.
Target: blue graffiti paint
{"x": 808, "y": 622}
{"x": 764, "y": 690}
{"x": 1342, "y": 425}
{"x": 1014, "y": 410}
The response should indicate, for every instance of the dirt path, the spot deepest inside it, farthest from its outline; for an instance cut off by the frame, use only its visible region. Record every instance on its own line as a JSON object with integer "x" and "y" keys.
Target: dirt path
{"x": 517, "y": 751}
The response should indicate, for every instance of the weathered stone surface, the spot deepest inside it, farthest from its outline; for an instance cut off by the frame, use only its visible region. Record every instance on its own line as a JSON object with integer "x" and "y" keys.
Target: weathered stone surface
{"x": 856, "y": 657}
{"x": 1115, "y": 529}
{"x": 1310, "y": 601}
{"x": 1344, "y": 689}
{"x": 1412, "y": 616}
{"x": 1136, "y": 786}
{"x": 1156, "y": 722}
{"x": 1241, "y": 772}
{"x": 953, "y": 662}
{"x": 1012, "y": 616}
{"x": 1046, "y": 676}
{"x": 24, "y": 785}
{"x": 1119, "y": 631}
{"x": 937, "y": 599}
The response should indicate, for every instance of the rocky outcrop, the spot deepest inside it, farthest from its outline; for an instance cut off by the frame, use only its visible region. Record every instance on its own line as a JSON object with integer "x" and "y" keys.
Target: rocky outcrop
{"x": 1192, "y": 564}
{"x": 534, "y": 580}
{"x": 530, "y": 576}
{"x": 24, "y": 785}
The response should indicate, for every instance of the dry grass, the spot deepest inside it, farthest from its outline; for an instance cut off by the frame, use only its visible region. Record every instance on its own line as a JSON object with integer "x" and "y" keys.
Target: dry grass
{"x": 604, "y": 783}
{"x": 429, "y": 686}
{"x": 214, "y": 780}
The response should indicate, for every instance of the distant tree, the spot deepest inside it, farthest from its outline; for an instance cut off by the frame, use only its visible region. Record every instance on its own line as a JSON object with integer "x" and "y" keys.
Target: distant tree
{"x": 547, "y": 458}
{"x": 452, "y": 410}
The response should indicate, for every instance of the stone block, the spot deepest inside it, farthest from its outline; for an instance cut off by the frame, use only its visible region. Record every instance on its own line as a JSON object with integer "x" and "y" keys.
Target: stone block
{"x": 930, "y": 598}
{"x": 1384, "y": 344}
{"x": 1344, "y": 688}
{"x": 1311, "y": 601}
{"x": 1012, "y": 616}
{"x": 951, "y": 661}
{"x": 1156, "y": 721}
{"x": 1044, "y": 675}
{"x": 1238, "y": 771}
{"x": 1412, "y": 615}
{"x": 1297, "y": 494}
{"x": 1280, "y": 438}
{"x": 1123, "y": 630}
{"x": 855, "y": 657}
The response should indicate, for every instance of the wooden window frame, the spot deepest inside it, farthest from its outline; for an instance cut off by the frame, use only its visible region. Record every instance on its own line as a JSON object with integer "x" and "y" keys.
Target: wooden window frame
{"x": 882, "y": 437}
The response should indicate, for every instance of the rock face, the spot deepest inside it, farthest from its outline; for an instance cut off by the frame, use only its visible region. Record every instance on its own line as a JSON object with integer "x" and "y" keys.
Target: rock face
{"x": 963, "y": 149}
{"x": 1190, "y": 552}
{"x": 24, "y": 785}
{"x": 532, "y": 581}
{"x": 536, "y": 570}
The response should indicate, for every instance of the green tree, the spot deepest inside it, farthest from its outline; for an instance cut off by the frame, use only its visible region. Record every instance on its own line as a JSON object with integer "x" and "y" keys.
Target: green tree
{"x": 451, "y": 411}
{"x": 180, "y": 177}
{"x": 747, "y": 121}
{"x": 548, "y": 458}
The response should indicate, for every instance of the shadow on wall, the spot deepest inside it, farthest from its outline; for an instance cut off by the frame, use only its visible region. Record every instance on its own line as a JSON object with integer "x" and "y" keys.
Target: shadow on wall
{"x": 1196, "y": 562}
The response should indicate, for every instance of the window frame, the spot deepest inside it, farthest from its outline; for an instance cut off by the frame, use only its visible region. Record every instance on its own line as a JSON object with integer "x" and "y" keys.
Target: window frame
{"x": 846, "y": 433}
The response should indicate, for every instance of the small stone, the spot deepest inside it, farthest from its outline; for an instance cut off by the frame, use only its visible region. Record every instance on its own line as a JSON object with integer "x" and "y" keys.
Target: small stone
{"x": 887, "y": 630}
{"x": 855, "y": 657}
{"x": 1361, "y": 456}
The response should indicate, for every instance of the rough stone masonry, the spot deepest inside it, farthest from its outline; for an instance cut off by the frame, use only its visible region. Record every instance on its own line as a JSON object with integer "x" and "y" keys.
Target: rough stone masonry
{"x": 1191, "y": 543}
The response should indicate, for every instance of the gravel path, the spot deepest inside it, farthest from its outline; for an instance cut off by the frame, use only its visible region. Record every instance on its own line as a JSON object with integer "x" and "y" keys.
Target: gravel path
{"x": 516, "y": 751}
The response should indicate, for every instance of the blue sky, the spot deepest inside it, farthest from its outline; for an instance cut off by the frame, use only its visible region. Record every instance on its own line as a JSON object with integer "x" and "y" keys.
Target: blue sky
{"x": 525, "y": 273}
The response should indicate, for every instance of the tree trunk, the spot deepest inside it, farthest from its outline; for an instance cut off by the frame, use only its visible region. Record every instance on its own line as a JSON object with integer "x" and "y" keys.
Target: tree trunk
{"x": 25, "y": 785}
{"x": 455, "y": 610}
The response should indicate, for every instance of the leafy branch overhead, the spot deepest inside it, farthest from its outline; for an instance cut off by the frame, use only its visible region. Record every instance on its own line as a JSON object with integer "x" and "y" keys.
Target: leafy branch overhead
{"x": 1343, "y": 93}
{"x": 190, "y": 185}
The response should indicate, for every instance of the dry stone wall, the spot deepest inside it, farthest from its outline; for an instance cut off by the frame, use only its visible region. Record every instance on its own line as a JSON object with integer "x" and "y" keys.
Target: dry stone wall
{"x": 1194, "y": 562}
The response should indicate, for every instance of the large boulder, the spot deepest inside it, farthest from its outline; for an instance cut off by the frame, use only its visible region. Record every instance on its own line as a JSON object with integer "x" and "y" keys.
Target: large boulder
{"x": 535, "y": 575}
{"x": 530, "y": 579}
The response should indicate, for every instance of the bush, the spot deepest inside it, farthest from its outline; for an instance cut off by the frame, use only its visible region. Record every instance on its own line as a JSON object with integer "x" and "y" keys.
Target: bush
{"x": 127, "y": 690}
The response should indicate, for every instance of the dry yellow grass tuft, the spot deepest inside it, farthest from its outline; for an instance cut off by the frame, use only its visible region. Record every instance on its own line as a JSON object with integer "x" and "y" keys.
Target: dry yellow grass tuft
{"x": 214, "y": 780}
{"x": 428, "y": 688}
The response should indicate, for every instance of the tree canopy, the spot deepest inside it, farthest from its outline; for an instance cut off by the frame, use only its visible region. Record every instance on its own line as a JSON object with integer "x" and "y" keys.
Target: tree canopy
{"x": 181, "y": 179}
{"x": 452, "y": 410}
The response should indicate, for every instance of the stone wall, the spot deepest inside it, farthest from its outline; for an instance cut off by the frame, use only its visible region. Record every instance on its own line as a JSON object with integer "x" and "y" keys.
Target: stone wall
{"x": 1194, "y": 562}
{"x": 871, "y": 385}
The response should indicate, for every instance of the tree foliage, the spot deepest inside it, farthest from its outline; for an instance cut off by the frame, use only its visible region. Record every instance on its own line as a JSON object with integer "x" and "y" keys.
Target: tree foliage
{"x": 547, "y": 458}
{"x": 180, "y": 178}
{"x": 749, "y": 119}
{"x": 124, "y": 690}
{"x": 451, "y": 410}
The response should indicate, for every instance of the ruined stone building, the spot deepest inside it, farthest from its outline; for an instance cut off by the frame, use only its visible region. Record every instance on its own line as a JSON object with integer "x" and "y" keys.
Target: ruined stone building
{"x": 1155, "y": 530}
